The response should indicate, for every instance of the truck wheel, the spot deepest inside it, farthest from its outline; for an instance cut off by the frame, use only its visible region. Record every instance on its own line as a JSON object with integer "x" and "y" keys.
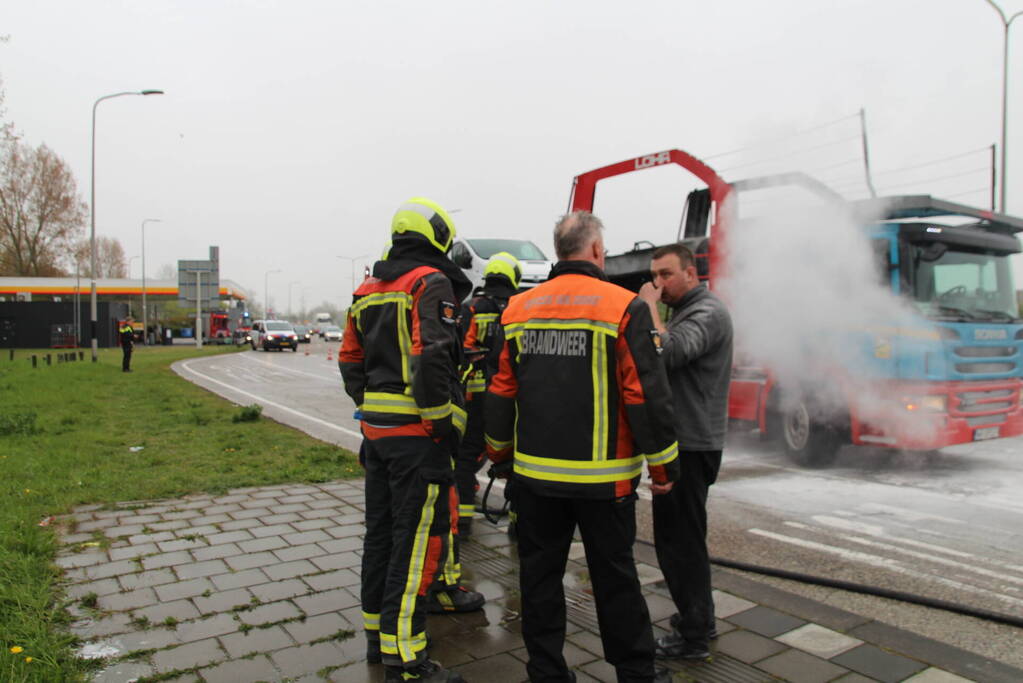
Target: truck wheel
{"x": 808, "y": 441}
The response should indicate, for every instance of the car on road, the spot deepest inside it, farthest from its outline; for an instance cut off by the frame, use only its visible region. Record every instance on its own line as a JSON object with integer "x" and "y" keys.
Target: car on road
{"x": 471, "y": 256}
{"x": 243, "y": 335}
{"x": 331, "y": 333}
{"x": 305, "y": 334}
{"x": 274, "y": 334}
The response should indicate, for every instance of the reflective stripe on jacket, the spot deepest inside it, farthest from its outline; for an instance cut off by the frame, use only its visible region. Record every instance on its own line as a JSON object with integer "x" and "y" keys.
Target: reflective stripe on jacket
{"x": 580, "y": 399}
{"x": 483, "y": 313}
{"x": 399, "y": 356}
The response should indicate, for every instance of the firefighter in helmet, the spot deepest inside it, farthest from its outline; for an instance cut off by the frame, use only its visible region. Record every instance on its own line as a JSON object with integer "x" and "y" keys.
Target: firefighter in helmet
{"x": 481, "y": 318}
{"x": 399, "y": 361}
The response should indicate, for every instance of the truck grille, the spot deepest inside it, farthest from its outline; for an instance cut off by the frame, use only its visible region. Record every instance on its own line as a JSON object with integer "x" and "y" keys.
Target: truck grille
{"x": 973, "y": 402}
{"x": 984, "y": 351}
{"x": 984, "y": 368}
{"x": 986, "y": 420}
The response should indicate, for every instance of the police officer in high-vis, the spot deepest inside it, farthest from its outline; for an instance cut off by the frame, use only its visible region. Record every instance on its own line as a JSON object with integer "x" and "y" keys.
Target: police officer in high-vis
{"x": 127, "y": 335}
{"x": 480, "y": 319}
{"x": 579, "y": 402}
{"x": 399, "y": 361}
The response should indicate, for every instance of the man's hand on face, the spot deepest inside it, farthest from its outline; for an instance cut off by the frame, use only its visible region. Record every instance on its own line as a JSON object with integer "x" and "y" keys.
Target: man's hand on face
{"x": 650, "y": 293}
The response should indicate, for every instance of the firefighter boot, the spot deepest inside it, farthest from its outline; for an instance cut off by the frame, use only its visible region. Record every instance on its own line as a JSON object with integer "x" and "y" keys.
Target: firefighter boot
{"x": 427, "y": 671}
{"x": 452, "y": 599}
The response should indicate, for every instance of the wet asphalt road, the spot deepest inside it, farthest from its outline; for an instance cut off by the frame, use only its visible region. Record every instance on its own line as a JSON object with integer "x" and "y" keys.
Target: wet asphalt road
{"x": 946, "y": 525}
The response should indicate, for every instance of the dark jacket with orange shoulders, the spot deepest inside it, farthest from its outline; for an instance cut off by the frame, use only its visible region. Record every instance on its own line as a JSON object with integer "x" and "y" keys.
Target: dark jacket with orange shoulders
{"x": 580, "y": 399}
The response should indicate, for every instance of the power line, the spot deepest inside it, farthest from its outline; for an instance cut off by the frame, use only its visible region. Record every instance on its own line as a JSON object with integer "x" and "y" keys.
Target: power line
{"x": 939, "y": 178}
{"x": 985, "y": 190}
{"x": 782, "y": 139}
{"x": 792, "y": 154}
{"x": 936, "y": 161}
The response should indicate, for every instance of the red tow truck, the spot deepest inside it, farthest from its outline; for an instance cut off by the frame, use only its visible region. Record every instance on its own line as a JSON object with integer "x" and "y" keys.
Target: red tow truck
{"x": 950, "y": 372}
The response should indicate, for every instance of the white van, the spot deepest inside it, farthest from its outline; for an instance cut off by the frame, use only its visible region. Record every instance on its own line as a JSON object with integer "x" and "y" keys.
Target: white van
{"x": 471, "y": 256}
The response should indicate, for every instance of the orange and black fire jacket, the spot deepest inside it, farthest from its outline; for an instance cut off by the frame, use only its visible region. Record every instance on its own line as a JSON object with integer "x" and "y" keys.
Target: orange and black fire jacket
{"x": 400, "y": 353}
{"x": 580, "y": 399}
{"x": 481, "y": 317}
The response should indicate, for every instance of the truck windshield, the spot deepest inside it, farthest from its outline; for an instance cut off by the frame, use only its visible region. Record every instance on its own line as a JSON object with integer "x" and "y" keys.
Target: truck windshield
{"x": 951, "y": 283}
{"x": 520, "y": 249}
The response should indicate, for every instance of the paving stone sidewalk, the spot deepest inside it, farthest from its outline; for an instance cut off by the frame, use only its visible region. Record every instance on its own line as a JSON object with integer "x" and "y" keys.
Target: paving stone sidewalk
{"x": 262, "y": 584}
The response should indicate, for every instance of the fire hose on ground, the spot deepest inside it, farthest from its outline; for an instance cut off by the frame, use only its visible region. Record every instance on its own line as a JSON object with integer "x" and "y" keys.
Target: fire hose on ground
{"x": 493, "y": 515}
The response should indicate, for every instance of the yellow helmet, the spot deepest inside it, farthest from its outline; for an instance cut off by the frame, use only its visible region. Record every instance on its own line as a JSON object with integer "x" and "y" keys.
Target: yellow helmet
{"x": 503, "y": 263}
{"x": 427, "y": 218}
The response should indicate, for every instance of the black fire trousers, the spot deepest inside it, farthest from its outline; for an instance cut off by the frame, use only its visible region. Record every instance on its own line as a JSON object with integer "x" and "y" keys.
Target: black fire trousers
{"x": 126, "y": 357}
{"x": 408, "y": 480}
{"x": 680, "y": 537}
{"x": 470, "y": 457}
{"x": 608, "y": 528}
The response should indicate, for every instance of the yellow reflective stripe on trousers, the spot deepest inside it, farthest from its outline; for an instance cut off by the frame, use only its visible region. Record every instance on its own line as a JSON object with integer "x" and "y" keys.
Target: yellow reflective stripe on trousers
{"x": 578, "y": 471}
{"x": 389, "y": 644}
{"x": 417, "y": 560}
{"x": 662, "y": 457}
{"x": 386, "y": 402}
{"x": 370, "y": 622}
{"x": 452, "y": 570}
{"x": 495, "y": 444}
{"x": 466, "y": 511}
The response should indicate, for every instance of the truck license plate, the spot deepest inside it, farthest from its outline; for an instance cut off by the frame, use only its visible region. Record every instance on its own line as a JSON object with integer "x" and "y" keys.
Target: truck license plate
{"x": 986, "y": 433}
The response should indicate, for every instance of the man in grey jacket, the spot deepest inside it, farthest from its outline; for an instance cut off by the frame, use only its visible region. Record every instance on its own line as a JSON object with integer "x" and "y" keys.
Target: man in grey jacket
{"x": 697, "y": 352}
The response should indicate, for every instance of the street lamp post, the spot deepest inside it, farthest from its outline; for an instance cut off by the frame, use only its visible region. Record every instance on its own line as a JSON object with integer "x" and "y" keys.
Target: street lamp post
{"x": 352, "y": 260}
{"x": 290, "y": 284}
{"x": 92, "y": 218}
{"x": 266, "y": 291}
{"x": 145, "y": 311}
{"x": 1006, "y": 23}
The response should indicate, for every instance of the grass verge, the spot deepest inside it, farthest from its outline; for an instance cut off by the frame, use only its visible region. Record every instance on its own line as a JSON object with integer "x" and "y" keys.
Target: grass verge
{"x": 67, "y": 434}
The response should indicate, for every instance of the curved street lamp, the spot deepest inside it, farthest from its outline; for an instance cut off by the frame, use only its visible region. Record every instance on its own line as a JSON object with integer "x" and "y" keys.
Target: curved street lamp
{"x": 92, "y": 217}
{"x": 352, "y": 260}
{"x": 1006, "y": 22}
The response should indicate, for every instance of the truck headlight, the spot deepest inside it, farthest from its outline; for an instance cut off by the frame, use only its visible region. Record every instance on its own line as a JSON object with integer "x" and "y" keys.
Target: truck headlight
{"x": 930, "y": 403}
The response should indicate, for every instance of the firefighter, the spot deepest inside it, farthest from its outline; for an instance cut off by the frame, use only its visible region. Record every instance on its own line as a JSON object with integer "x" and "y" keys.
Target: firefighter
{"x": 399, "y": 361}
{"x": 580, "y": 400}
{"x": 481, "y": 317}
{"x": 127, "y": 335}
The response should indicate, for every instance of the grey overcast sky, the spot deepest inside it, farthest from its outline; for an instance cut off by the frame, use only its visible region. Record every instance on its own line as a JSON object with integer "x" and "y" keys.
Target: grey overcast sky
{"x": 290, "y": 131}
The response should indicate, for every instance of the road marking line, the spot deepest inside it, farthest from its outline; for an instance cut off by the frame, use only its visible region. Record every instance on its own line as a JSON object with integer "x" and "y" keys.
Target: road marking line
{"x": 872, "y": 530}
{"x": 907, "y": 514}
{"x": 186, "y": 365}
{"x": 269, "y": 364}
{"x": 881, "y": 562}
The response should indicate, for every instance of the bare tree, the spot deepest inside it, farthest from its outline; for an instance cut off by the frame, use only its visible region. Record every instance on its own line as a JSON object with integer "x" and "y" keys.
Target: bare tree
{"x": 166, "y": 272}
{"x": 40, "y": 210}
{"x": 110, "y": 260}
